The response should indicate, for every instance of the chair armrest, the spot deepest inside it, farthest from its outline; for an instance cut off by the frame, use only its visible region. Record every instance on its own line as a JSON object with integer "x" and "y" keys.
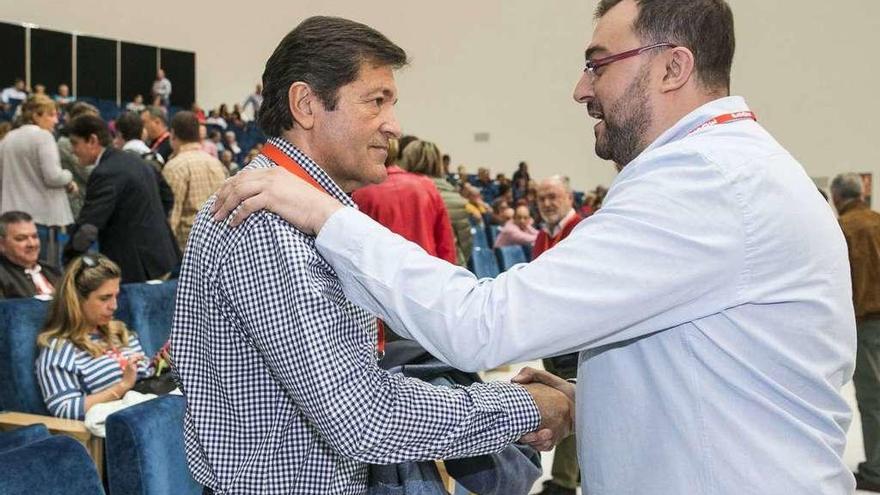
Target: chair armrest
{"x": 68, "y": 427}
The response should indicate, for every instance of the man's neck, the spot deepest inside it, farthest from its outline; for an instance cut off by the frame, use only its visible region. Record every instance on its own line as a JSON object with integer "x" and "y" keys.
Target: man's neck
{"x": 668, "y": 112}
{"x": 303, "y": 143}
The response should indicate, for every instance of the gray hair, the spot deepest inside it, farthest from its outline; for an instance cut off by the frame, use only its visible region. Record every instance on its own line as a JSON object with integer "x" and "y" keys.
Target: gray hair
{"x": 12, "y": 217}
{"x": 847, "y": 186}
{"x": 559, "y": 179}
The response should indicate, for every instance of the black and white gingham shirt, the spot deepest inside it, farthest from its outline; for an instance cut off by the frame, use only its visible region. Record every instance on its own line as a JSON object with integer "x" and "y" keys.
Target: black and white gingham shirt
{"x": 280, "y": 377}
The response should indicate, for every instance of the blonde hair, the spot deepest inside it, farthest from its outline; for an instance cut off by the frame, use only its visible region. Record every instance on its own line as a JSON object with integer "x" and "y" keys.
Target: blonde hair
{"x": 66, "y": 320}
{"x": 422, "y": 157}
{"x": 393, "y": 150}
{"x": 37, "y": 105}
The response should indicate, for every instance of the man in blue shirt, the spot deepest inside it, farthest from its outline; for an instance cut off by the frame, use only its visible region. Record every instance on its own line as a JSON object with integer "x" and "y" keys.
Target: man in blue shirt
{"x": 709, "y": 298}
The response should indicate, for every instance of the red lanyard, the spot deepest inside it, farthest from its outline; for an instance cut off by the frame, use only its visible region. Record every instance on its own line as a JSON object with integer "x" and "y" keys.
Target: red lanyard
{"x": 726, "y": 119}
{"x": 284, "y": 160}
{"x": 161, "y": 139}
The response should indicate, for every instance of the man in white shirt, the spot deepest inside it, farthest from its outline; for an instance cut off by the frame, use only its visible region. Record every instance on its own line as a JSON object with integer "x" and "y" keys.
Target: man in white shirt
{"x": 162, "y": 88}
{"x": 709, "y": 298}
{"x": 15, "y": 94}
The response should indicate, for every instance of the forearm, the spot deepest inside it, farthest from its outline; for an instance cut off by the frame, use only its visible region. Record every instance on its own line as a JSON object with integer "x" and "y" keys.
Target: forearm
{"x": 113, "y": 392}
{"x": 409, "y": 420}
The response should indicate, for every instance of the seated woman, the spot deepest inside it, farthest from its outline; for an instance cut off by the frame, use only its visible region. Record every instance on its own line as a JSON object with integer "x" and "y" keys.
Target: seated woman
{"x": 86, "y": 356}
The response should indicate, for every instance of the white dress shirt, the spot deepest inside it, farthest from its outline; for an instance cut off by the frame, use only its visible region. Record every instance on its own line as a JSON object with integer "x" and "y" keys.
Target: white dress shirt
{"x": 710, "y": 299}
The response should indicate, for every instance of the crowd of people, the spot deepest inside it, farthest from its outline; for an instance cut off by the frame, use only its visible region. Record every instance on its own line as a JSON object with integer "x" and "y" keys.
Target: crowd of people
{"x": 87, "y": 203}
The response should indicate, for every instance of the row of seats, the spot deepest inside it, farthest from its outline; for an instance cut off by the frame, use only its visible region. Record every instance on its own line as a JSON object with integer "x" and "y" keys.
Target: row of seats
{"x": 488, "y": 262}
{"x": 144, "y": 444}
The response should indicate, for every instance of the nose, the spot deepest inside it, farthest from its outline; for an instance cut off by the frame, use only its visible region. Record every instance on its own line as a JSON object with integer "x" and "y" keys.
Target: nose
{"x": 391, "y": 127}
{"x": 112, "y": 304}
{"x": 583, "y": 90}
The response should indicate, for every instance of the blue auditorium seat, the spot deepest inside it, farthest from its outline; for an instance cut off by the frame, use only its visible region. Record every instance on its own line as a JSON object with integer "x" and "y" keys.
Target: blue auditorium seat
{"x": 509, "y": 256}
{"x": 145, "y": 450}
{"x": 53, "y": 465}
{"x": 492, "y": 232}
{"x": 483, "y": 262}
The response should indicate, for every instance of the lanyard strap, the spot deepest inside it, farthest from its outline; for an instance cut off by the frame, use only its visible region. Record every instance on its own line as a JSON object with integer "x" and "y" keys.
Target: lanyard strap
{"x": 285, "y": 161}
{"x": 725, "y": 119}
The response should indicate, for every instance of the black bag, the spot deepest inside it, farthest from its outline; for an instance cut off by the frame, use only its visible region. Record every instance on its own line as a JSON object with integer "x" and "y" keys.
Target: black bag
{"x": 158, "y": 385}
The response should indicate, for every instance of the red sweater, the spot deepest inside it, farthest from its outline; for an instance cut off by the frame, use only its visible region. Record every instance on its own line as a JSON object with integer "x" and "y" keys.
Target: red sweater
{"x": 545, "y": 242}
{"x": 410, "y": 205}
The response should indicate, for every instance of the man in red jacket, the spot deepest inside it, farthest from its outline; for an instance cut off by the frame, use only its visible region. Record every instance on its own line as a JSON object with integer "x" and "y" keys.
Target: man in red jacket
{"x": 556, "y": 205}
{"x": 409, "y": 205}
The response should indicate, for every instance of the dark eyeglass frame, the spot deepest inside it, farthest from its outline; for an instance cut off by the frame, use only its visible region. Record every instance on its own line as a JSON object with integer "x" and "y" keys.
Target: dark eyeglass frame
{"x": 593, "y": 65}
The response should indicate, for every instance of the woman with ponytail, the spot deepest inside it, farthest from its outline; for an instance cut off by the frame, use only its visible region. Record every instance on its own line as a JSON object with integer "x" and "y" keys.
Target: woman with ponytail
{"x": 86, "y": 356}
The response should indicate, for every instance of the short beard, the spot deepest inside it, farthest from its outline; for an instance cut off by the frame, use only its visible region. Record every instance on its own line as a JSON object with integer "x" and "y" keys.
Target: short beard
{"x": 623, "y": 141}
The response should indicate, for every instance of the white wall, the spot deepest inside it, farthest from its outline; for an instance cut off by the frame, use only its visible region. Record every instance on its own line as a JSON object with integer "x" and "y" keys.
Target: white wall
{"x": 508, "y": 67}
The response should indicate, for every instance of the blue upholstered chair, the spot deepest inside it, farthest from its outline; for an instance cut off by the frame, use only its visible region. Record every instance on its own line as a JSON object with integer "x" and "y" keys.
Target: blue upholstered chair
{"x": 492, "y": 232}
{"x": 57, "y": 464}
{"x": 483, "y": 262}
{"x": 20, "y": 437}
{"x": 509, "y": 256}
{"x": 20, "y": 321}
{"x": 479, "y": 235}
{"x": 145, "y": 452}
{"x": 149, "y": 309}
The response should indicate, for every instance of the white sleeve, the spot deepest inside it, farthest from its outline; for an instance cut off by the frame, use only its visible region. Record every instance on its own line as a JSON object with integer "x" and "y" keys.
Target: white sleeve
{"x": 657, "y": 255}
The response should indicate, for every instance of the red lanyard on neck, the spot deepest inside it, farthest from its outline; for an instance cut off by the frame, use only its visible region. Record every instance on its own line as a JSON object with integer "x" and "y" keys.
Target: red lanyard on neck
{"x": 284, "y": 160}
{"x": 725, "y": 119}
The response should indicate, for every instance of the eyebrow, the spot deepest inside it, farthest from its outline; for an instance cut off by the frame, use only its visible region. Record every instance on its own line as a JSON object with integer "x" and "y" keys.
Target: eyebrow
{"x": 588, "y": 54}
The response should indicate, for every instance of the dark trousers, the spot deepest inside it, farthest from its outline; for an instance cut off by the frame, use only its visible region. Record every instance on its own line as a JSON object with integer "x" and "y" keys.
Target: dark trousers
{"x": 565, "y": 471}
{"x": 867, "y": 383}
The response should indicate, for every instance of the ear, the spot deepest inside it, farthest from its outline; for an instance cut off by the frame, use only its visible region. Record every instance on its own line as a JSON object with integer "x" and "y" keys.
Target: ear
{"x": 679, "y": 69}
{"x": 93, "y": 140}
{"x": 303, "y": 103}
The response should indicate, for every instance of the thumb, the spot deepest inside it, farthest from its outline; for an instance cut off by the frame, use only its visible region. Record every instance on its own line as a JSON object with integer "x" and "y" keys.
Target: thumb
{"x": 525, "y": 375}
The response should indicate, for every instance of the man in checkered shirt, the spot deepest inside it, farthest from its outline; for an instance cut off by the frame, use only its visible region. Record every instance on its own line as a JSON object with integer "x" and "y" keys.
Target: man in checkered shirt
{"x": 278, "y": 368}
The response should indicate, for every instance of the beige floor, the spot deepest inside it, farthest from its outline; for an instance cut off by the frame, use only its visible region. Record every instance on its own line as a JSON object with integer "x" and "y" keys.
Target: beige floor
{"x": 852, "y": 456}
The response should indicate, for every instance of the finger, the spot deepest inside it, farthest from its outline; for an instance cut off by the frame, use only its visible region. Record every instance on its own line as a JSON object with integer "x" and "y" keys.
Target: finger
{"x": 524, "y": 376}
{"x": 239, "y": 188}
{"x": 248, "y": 206}
{"x": 547, "y": 378}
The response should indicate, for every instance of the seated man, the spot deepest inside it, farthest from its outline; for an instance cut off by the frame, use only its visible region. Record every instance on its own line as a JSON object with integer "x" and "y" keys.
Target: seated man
{"x": 21, "y": 275}
{"x": 279, "y": 369}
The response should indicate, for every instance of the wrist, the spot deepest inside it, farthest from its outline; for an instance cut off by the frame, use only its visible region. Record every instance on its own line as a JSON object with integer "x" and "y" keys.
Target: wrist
{"x": 331, "y": 207}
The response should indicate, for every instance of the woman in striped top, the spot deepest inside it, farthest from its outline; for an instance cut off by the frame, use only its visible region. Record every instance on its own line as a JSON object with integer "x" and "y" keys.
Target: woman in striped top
{"x": 86, "y": 356}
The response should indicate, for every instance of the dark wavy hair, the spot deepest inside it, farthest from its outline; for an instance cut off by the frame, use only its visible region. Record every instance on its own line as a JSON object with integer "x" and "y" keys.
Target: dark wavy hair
{"x": 326, "y": 53}
{"x": 705, "y": 27}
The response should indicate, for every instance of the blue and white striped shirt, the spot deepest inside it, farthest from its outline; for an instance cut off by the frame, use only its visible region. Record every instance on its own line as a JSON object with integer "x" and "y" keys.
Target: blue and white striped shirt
{"x": 67, "y": 374}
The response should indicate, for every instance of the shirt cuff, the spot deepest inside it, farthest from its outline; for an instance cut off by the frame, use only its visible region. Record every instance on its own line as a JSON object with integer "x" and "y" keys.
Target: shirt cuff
{"x": 516, "y": 402}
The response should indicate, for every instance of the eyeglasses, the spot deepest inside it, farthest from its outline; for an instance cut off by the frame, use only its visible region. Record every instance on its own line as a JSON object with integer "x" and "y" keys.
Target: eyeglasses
{"x": 593, "y": 65}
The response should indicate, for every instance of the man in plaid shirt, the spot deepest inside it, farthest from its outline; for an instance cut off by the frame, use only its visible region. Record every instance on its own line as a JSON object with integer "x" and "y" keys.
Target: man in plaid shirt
{"x": 278, "y": 368}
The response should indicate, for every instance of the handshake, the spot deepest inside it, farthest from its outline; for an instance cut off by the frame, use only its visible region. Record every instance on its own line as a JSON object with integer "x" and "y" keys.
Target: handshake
{"x": 555, "y": 400}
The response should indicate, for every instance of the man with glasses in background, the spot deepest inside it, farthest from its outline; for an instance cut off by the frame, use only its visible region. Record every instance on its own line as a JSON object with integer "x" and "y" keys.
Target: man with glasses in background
{"x": 709, "y": 297}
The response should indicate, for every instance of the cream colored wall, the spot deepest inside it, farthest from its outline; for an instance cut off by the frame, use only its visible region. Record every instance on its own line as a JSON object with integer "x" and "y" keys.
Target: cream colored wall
{"x": 508, "y": 67}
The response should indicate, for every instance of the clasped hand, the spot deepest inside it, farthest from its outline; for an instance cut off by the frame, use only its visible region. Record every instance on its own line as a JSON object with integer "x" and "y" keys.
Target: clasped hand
{"x": 555, "y": 400}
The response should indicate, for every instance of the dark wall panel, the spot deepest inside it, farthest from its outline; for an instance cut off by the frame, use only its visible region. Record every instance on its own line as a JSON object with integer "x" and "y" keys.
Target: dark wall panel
{"x": 180, "y": 69}
{"x": 96, "y": 67}
{"x": 138, "y": 70}
{"x": 51, "y": 59}
{"x": 11, "y": 53}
